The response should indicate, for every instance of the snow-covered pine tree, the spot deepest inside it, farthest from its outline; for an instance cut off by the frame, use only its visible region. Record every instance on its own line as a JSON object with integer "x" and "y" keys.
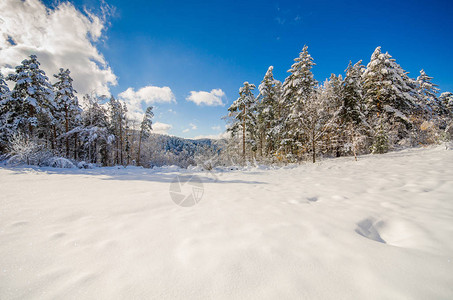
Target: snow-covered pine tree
{"x": 381, "y": 143}
{"x": 446, "y": 100}
{"x": 352, "y": 114}
{"x": 242, "y": 113}
{"x": 427, "y": 117}
{"x": 127, "y": 136}
{"x": 68, "y": 111}
{"x": 94, "y": 134}
{"x": 428, "y": 92}
{"x": 5, "y": 97}
{"x": 332, "y": 97}
{"x": 390, "y": 94}
{"x": 145, "y": 129}
{"x": 267, "y": 109}
{"x": 352, "y": 106}
{"x": 297, "y": 91}
{"x": 277, "y": 130}
{"x": 117, "y": 118}
{"x": 32, "y": 104}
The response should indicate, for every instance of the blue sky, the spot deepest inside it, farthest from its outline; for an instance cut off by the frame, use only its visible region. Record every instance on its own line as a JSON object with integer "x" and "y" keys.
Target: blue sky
{"x": 205, "y": 45}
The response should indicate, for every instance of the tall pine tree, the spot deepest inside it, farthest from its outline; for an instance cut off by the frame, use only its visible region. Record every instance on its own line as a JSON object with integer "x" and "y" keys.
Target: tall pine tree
{"x": 242, "y": 111}
{"x": 267, "y": 111}
{"x": 32, "y": 104}
{"x": 67, "y": 105}
{"x": 298, "y": 89}
{"x": 390, "y": 97}
{"x": 145, "y": 129}
{"x": 5, "y": 98}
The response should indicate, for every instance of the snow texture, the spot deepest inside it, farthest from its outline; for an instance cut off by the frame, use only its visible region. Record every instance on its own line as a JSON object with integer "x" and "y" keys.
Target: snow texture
{"x": 378, "y": 228}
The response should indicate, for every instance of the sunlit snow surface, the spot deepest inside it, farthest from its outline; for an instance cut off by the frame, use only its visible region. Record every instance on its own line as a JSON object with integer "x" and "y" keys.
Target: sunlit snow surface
{"x": 379, "y": 228}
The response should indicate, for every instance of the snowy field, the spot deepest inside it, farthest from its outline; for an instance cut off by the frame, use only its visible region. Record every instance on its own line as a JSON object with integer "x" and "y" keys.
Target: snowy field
{"x": 379, "y": 228}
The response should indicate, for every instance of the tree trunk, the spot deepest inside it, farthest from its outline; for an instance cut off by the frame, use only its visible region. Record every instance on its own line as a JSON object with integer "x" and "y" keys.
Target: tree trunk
{"x": 54, "y": 140}
{"x": 243, "y": 138}
{"x": 261, "y": 144}
{"x": 139, "y": 146}
{"x": 313, "y": 143}
{"x": 75, "y": 146}
{"x": 121, "y": 141}
{"x": 67, "y": 130}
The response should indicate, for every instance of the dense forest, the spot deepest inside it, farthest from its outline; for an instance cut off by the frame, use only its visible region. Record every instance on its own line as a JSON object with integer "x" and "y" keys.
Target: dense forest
{"x": 371, "y": 109}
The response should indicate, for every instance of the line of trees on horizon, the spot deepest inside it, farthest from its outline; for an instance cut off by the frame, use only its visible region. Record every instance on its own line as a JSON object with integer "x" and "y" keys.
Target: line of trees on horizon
{"x": 372, "y": 109}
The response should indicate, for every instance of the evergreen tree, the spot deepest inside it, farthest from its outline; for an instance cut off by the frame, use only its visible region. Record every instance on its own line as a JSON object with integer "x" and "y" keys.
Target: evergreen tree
{"x": 298, "y": 89}
{"x": 145, "y": 129}
{"x": 446, "y": 100}
{"x": 5, "y": 98}
{"x": 242, "y": 112}
{"x": 117, "y": 125}
{"x": 389, "y": 94}
{"x": 428, "y": 92}
{"x": 94, "y": 133}
{"x": 381, "y": 143}
{"x": 32, "y": 104}
{"x": 127, "y": 136}
{"x": 267, "y": 110}
{"x": 445, "y": 104}
{"x": 67, "y": 105}
{"x": 352, "y": 106}
{"x": 332, "y": 97}
{"x": 352, "y": 115}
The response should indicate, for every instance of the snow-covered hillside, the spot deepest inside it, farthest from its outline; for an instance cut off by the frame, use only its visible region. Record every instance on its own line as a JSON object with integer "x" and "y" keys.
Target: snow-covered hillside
{"x": 378, "y": 228}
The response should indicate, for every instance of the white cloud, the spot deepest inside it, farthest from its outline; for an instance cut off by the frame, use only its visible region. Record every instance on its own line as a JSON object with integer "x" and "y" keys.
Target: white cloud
{"x": 217, "y": 128}
{"x": 223, "y": 135}
{"x": 212, "y": 98}
{"x": 161, "y": 128}
{"x": 62, "y": 37}
{"x": 186, "y": 130}
{"x": 147, "y": 95}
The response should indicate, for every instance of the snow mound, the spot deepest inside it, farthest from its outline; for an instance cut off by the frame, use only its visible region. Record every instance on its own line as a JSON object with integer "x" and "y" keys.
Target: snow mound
{"x": 59, "y": 162}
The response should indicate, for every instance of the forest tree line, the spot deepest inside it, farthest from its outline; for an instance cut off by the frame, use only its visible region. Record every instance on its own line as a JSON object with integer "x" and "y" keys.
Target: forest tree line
{"x": 39, "y": 120}
{"x": 372, "y": 109}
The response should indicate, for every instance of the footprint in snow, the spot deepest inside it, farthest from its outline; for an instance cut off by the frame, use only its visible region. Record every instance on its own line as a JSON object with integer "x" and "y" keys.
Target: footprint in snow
{"x": 368, "y": 228}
